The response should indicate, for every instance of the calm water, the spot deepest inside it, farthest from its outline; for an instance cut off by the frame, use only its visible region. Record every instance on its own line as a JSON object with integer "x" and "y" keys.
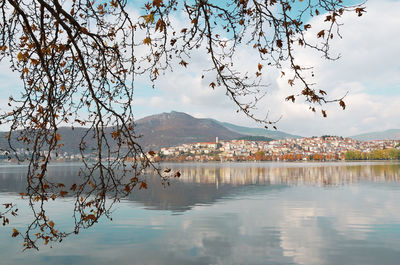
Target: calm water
{"x": 261, "y": 213}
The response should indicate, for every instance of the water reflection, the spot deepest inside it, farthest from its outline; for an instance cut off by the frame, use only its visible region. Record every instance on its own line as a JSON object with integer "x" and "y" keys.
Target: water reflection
{"x": 290, "y": 173}
{"x": 208, "y": 183}
{"x": 255, "y": 214}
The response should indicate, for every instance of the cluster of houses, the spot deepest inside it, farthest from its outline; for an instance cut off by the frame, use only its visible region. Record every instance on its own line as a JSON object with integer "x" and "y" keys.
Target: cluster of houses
{"x": 325, "y": 148}
{"x": 313, "y": 148}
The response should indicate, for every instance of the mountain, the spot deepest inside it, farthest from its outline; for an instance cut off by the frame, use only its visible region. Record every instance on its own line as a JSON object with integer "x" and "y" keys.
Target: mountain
{"x": 162, "y": 130}
{"x": 174, "y": 128}
{"x": 393, "y": 134}
{"x": 257, "y": 131}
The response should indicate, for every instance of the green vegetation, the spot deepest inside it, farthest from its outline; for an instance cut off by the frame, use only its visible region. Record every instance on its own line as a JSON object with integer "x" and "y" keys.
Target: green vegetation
{"x": 255, "y": 138}
{"x": 385, "y": 154}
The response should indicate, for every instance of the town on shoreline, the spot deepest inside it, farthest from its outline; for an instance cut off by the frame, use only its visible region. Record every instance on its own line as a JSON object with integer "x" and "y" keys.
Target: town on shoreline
{"x": 324, "y": 148}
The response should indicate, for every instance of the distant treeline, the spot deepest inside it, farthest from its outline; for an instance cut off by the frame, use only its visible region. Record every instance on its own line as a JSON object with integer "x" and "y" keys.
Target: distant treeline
{"x": 255, "y": 138}
{"x": 385, "y": 154}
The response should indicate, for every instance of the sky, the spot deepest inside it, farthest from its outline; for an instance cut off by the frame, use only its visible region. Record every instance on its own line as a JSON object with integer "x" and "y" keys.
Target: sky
{"x": 369, "y": 70}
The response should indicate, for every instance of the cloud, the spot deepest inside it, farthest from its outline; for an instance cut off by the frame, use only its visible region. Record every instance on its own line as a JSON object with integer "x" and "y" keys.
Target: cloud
{"x": 368, "y": 71}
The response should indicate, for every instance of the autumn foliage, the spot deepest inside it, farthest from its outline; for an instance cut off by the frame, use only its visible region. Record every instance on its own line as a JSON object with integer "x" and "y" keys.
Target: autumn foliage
{"x": 78, "y": 62}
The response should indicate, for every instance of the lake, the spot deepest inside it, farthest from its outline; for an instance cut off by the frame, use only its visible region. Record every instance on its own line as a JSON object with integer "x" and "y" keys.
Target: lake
{"x": 229, "y": 213}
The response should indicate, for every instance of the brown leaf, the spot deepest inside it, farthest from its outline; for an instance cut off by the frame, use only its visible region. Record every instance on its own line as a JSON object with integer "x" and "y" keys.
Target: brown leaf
{"x": 157, "y": 3}
{"x": 263, "y": 50}
{"x": 84, "y": 30}
{"x": 15, "y": 232}
{"x": 321, "y": 34}
{"x": 147, "y": 41}
{"x": 115, "y": 134}
{"x": 342, "y": 104}
{"x": 143, "y": 185}
{"x": 260, "y": 66}
{"x": 322, "y": 92}
{"x": 360, "y": 11}
{"x": 183, "y": 63}
{"x": 292, "y": 98}
{"x": 91, "y": 217}
{"x": 160, "y": 25}
{"x": 20, "y": 57}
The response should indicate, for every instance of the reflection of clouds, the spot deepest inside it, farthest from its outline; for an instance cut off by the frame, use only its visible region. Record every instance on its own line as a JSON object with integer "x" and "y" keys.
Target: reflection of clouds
{"x": 257, "y": 224}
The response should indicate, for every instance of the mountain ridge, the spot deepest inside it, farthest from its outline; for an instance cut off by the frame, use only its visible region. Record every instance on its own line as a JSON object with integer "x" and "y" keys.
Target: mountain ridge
{"x": 175, "y": 128}
{"x": 257, "y": 131}
{"x": 391, "y": 134}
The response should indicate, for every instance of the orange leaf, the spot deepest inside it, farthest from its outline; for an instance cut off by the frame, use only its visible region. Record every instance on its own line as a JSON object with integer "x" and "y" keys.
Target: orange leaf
{"x": 147, "y": 41}
{"x": 20, "y": 57}
{"x": 91, "y": 217}
{"x": 15, "y": 232}
{"x": 143, "y": 185}
{"x": 157, "y": 3}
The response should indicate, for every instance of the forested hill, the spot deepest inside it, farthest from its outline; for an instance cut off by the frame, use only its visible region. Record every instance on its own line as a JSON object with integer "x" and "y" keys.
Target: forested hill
{"x": 174, "y": 128}
{"x": 156, "y": 131}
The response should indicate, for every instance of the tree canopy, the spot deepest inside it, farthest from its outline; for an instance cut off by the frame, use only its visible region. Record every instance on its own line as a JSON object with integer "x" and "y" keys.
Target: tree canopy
{"x": 78, "y": 61}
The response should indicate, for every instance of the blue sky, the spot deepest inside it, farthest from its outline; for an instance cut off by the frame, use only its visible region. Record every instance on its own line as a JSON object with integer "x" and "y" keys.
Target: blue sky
{"x": 369, "y": 70}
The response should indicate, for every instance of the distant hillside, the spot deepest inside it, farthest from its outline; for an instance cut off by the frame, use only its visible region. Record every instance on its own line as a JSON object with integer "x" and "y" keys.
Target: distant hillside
{"x": 393, "y": 134}
{"x": 257, "y": 131}
{"x": 156, "y": 131}
{"x": 174, "y": 128}
{"x": 255, "y": 138}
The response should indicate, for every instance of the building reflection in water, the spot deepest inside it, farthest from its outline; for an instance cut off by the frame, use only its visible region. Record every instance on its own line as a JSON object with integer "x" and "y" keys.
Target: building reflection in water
{"x": 296, "y": 174}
